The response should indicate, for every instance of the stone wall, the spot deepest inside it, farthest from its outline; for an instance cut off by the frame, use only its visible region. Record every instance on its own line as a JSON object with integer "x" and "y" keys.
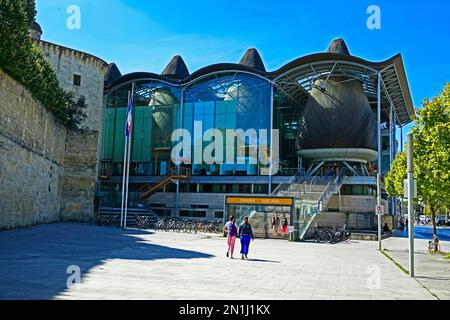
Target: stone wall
{"x": 47, "y": 174}
{"x": 66, "y": 62}
{"x": 356, "y": 204}
{"x": 80, "y": 175}
{"x": 32, "y": 146}
{"x": 354, "y": 221}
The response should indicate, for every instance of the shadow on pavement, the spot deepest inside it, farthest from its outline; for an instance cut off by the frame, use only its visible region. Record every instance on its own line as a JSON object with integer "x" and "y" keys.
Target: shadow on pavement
{"x": 262, "y": 260}
{"x": 34, "y": 261}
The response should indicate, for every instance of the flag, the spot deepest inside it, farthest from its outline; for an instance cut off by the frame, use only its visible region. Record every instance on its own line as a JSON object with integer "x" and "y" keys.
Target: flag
{"x": 128, "y": 125}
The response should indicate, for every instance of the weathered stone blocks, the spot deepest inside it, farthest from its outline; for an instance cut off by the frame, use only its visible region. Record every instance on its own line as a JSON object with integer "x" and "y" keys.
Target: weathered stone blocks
{"x": 47, "y": 173}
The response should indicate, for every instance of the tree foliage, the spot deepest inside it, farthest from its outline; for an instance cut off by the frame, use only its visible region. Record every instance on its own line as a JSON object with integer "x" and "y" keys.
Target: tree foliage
{"x": 21, "y": 59}
{"x": 432, "y": 149}
{"x": 395, "y": 177}
{"x": 30, "y": 11}
{"x": 76, "y": 109}
{"x": 431, "y": 134}
{"x": 15, "y": 40}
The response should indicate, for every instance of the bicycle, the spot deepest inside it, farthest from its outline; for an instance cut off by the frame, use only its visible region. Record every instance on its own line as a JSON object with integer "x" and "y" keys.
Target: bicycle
{"x": 434, "y": 246}
{"x": 108, "y": 220}
{"x": 141, "y": 222}
{"x": 330, "y": 234}
{"x": 160, "y": 224}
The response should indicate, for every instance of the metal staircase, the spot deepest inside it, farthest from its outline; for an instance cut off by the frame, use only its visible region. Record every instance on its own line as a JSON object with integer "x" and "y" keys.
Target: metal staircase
{"x": 132, "y": 214}
{"x": 150, "y": 189}
{"x": 331, "y": 188}
{"x": 312, "y": 195}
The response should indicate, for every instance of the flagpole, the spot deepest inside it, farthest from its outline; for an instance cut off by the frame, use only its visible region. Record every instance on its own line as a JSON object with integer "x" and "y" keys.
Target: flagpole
{"x": 129, "y": 155}
{"x": 127, "y": 182}
{"x": 124, "y": 172}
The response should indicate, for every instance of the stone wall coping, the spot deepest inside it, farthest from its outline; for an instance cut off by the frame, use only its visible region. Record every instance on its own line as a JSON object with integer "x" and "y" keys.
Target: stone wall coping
{"x": 96, "y": 61}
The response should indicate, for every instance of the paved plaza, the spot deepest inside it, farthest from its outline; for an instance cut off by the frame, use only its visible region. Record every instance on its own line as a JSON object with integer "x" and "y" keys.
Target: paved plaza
{"x": 431, "y": 270}
{"x": 117, "y": 264}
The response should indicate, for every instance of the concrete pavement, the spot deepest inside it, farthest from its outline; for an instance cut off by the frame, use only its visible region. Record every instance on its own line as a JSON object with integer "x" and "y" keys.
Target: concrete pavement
{"x": 431, "y": 270}
{"x": 156, "y": 265}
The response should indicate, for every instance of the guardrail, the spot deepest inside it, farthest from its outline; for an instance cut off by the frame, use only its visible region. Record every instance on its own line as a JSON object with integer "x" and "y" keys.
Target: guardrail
{"x": 330, "y": 189}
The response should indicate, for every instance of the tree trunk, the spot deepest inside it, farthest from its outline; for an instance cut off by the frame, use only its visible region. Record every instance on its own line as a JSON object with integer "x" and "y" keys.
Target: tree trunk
{"x": 433, "y": 219}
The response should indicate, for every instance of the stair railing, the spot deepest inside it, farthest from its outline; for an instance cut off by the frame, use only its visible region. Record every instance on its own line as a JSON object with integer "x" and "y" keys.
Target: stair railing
{"x": 285, "y": 185}
{"x": 331, "y": 188}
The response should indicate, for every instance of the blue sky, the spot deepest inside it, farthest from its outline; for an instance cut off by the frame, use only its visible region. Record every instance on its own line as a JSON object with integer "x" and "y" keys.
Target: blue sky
{"x": 143, "y": 35}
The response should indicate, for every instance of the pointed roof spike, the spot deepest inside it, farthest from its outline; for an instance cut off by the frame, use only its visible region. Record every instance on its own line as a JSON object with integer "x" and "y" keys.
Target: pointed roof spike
{"x": 252, "y": 59}
{"x": 339, "y": 46}
{"x": 112, "y": 74}
{"x": 176, "y": 68}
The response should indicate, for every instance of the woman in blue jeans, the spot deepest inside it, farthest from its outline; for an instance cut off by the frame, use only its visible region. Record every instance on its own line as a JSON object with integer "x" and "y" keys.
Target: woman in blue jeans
{"x": 246, "y": 235}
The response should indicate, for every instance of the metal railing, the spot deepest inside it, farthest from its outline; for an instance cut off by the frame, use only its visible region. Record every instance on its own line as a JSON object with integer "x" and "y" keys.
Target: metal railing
{"x": 248, "y": 212}
{"x": 331, "y": 188}
{"x": 285, "y": 185}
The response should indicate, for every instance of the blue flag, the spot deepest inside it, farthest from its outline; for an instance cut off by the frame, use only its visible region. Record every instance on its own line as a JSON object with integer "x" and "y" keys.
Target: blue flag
{"x": 129, "y": 117}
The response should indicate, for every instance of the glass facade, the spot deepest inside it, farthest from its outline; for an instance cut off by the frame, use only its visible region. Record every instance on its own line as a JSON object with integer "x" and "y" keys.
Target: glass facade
{"x": 155, "y": 116}
{"x": 287, "y": 118}
{"x": 223, "y": 102}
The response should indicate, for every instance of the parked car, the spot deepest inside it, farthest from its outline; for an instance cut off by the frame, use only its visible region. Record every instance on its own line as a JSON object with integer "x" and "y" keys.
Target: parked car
{"x": 443, "y": 222}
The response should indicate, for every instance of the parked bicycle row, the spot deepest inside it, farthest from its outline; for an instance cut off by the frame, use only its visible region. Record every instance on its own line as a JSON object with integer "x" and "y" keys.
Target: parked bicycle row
{"x": 139, "y": 221}
{"x": 324, "y": 234}
{"x": 189, "y": 226}
{"x": 164, "y": 224}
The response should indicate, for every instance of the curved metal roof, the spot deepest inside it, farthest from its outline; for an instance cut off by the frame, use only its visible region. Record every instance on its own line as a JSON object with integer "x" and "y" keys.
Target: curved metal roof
{"x": 297, "y": 78}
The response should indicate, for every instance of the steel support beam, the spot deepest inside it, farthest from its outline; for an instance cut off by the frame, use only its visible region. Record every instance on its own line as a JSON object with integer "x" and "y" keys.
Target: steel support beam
{"x": 315, "y": 168}
{"x": 351, "y": 169}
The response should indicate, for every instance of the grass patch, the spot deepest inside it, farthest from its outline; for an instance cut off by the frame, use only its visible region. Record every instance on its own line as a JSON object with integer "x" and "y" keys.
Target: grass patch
{"x": 406, "y": 271}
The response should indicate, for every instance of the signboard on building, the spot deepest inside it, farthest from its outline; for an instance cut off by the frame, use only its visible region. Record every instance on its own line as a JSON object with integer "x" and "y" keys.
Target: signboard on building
{"x": 262, "y": 201}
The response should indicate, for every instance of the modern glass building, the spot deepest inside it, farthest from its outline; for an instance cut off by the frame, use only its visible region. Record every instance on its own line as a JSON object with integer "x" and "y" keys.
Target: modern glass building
{"x": 331, "y": 109}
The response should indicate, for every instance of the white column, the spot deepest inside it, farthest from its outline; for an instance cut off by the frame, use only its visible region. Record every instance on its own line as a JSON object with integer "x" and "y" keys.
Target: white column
{"x": 380, "y": 151}
{"x": 271, "y": 138}
{"x": 379, "y": 157}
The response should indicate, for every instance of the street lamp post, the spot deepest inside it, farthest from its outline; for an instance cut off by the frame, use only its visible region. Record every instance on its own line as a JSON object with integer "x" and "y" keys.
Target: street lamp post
{"x": 411, "y": 203}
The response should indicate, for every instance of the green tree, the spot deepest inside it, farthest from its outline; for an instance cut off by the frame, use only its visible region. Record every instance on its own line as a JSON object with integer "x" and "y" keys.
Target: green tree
{"x": 23, "y": 60}
{"x": 30, "y": 11}
{"x": 395, "y": 177}
{"x": 432, "y": 152}
{"x": 43, "y": 84}
{"x": 15, "y": 39}
{"x": 76, "y": 110}
{"x": 431, "y": 156}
